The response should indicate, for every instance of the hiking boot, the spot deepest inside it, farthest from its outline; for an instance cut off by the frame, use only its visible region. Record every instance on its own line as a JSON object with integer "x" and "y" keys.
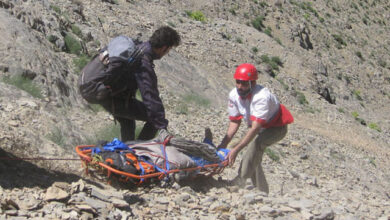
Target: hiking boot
{"x": 208, "y": 134}
{"x": 238, "y": 181}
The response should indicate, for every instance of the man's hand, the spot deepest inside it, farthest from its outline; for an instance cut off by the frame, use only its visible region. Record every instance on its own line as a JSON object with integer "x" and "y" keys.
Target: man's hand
{"x": 232, "y": 156}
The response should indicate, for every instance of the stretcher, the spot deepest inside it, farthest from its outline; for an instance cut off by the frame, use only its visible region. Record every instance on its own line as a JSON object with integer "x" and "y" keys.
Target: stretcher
{"x": 86, "y": 155}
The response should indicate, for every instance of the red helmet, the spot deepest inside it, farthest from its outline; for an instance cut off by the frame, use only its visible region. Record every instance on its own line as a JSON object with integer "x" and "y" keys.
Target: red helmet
{"x": 246, "y": 72}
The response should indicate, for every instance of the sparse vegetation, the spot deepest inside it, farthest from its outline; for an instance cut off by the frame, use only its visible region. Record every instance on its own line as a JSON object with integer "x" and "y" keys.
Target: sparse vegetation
{"x": 107, "y": 133}
{"x": 374, "y": 126}
{"x": 77, "y": 31}
{"x": 279, "y": 41}
{"x": 56, "y": 9}
{"x": 268, "y": 31}
{"x": 273, "y": 62}
{"x": 372, "y": 161}
{"x": 226, "y": 36}
{"x": 359, "y": 54}
{"x": 80, "y": 62}
{"x": 272, "y": 154}
{"x": 263, "y": 4}
{"x": 233, "y": 11}
{"x": 196, "y": 99}
{"x": 357, "y": 94}
{"x": 382, "y": 63}
{"x": 57, "y": 137}
{"x": 196, "y": 15}
{"x": 301, "y": 98}
{"x": 96, "y": 107}
{"x": 170, "y": 23}
{"x": 255, "y": 50}
{"x": 52, "y": 38}
{"x": 339, "y": 40}
{"x": 258, "y": 23}
{"x": 73, "y": 46}
{"x": 23, "y": 83}
{"x": 182, "y": 108}
{"x": 285, "y": 86}
{"x": 357, "y": 118}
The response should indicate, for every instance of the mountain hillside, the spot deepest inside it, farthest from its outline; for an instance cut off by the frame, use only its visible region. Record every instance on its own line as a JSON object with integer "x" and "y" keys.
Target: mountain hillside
{"x": 327, "y": 61}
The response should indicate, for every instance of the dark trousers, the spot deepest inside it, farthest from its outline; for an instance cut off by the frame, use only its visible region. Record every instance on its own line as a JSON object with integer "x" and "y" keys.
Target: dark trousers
{"x": 126, "y": 112}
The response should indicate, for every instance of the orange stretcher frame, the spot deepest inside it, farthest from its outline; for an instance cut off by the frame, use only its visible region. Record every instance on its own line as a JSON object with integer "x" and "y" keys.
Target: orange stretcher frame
{"x": 85, "y": 156}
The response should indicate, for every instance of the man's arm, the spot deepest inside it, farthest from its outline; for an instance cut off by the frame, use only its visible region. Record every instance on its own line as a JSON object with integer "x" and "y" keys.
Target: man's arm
{"x": 252, "y": 132}
{"x": 232, "y": 129}
{"x": 147, "y": 84}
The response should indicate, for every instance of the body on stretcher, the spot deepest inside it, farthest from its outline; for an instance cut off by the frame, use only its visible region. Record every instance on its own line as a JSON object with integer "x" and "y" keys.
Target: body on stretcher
{"x": 138, "y": 162}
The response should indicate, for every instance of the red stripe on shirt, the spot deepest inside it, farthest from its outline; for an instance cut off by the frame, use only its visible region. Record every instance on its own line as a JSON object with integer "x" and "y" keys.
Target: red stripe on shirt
{"x": 281, "y": 118}
{"x": 259, "y": 120}
{"x": 236, "y": 118}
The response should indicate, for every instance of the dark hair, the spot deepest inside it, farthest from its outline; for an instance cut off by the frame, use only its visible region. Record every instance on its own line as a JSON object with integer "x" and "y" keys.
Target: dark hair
{"x": 164, "y": 36}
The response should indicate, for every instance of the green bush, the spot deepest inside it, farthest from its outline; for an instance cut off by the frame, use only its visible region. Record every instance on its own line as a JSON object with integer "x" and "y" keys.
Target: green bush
{"x": 279, "y": 41}
{"x": 96, "y": 107}
{"x": 258, "y": 23}
{"x": 170, "y": 23}
{"x": 285, "y": 86}
{"x": 374, "y": 126}
{"x": 80, "y": 62}
{"x": 255, "y": 50}
{"x": 274, "y": 62}
{"x": 77, "y": 31}
{"x": 107, "y": 133}
{"x": 73, "y": 46}
{"x": 357, "y": 95}
{"x": 354, "y": 5}
{"x": 233, "y": 11}
{"x": 355, "y": 114}
{"x": 268, "y": 31}
{"x": 57, "y": 137}
{"x": 196, "y": 99}
{"x": 301, "y": 98}
{"x": 372, "y": 161}
{"x": 263, "y": 4}
{"x": 306, "y": 16}
{"x": 277, "y": 60}
{"x": 196, "y": 15}
{"x": 23, "y": 83}
{"x": 382, "y": 63}
{"x": 272, "y": 154}
{"x": 52, "y": 38}
{"x": 359, "y": 54}
{"x": 56, "y": 9}
{"x": 360, "y": 120}
{"x": 182, "y": 108}
{"x": 339, "y": 40}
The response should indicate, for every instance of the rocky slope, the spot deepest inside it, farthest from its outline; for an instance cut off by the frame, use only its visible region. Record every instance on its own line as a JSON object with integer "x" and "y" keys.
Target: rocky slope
{"x": 328, "y": 61}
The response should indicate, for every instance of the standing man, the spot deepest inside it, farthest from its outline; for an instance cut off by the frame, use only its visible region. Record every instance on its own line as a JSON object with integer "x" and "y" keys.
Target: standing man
{"x": 267, "y": 120}
{"x": 119, "y": 79}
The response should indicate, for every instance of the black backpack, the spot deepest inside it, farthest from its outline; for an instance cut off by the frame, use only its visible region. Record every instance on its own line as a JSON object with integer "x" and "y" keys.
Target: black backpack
{"x": 100, "y": 78}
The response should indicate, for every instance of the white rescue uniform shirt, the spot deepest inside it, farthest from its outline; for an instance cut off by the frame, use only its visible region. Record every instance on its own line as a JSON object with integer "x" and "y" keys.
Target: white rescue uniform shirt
{"x": 260, "y": 105}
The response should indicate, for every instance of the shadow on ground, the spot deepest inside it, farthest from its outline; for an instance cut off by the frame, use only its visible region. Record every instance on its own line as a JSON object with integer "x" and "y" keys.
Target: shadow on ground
{"x": 205, "y": 183}
{"x": 17, "y": 173}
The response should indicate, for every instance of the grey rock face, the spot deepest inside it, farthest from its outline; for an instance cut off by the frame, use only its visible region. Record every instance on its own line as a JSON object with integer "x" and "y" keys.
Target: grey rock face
{"x": 333, "y": 76}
